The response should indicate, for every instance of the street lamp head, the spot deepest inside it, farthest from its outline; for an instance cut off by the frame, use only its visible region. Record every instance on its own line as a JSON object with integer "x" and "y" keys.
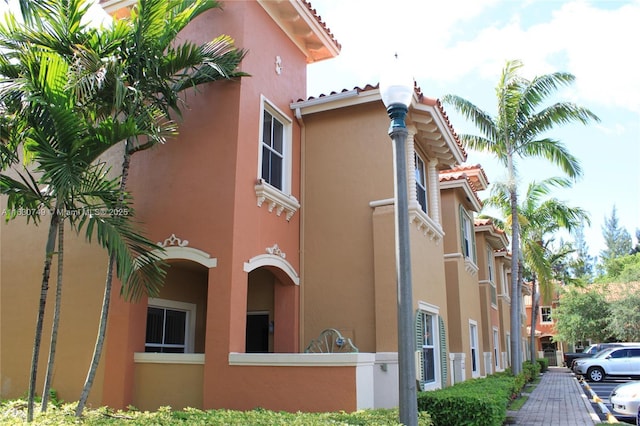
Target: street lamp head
{"x": 396, "y": 85}
{"x": 396, "y": 90}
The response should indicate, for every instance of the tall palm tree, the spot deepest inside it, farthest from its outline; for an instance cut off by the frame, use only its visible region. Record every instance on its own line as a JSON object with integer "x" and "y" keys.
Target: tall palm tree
{"x": 540, "y": 217}
{"x": 134, "y": 69}
{"x": 146, "y": 77}
{"x": 62, "y": 142}
{"x": 519, "y": 130}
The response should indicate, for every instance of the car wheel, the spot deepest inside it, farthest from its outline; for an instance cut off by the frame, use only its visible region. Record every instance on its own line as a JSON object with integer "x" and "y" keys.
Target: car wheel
{"x": 595, "y": 374}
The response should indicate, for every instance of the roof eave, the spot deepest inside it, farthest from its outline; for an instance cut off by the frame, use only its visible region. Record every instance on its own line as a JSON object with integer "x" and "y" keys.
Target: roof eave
{"x": 303, "y": 28}
{"x": 463, "y": 184}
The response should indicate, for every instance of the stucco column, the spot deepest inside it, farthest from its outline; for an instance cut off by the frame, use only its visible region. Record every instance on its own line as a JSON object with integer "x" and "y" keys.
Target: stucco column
{"x": 434, "y": 190}
{"x": 411, "y": 166}
{"x": 286, "y": 311}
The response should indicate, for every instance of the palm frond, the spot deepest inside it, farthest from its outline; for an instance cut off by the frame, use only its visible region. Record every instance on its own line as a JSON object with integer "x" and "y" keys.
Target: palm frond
{"x": 540, "y": 88}
{"x": 138, "y": 262}
{"x": 555, "y": 152}
{"x": 482, "y": 120}
{"x": 557, "y": 114}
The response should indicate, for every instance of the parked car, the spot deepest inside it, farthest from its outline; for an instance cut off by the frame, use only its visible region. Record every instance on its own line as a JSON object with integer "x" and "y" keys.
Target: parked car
{"x": 625, "y": 399}
{"x": 590, "y": 351}
{"x": 621, "y": 361}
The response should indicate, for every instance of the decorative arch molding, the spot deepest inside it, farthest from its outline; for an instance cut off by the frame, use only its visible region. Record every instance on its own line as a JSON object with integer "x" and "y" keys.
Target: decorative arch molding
{"x": 188, "y": 253}
{"x": 273, "y": 261}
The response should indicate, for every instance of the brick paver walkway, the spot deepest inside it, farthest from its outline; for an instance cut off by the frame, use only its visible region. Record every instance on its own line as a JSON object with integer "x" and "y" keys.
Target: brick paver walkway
{"x": 557, "y": 400}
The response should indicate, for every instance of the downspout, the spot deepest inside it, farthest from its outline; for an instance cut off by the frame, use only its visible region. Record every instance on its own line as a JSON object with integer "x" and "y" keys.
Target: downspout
{"x": 302, "y": 341}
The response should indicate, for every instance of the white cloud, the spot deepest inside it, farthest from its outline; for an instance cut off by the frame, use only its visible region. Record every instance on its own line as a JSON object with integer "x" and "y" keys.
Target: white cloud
{"x": 596, "y": 44}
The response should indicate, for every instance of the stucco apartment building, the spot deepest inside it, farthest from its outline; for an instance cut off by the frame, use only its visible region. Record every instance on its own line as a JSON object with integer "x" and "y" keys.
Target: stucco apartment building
{"x": 276, "y": 214}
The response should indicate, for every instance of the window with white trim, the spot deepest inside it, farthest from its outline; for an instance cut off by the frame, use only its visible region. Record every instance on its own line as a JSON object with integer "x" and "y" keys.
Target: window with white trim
{"x": 275, "y": 147}
{"x": 490, "y": 263}
{"x": 431, "y": 347}
{"x": 170, "y": 326}
{"x": 545, "y": 315}
{"x": 467, "y": 235}
{"x": 475, "y": 352}
{"x": 428, "y": 348}
{"x": 421, "y": 182}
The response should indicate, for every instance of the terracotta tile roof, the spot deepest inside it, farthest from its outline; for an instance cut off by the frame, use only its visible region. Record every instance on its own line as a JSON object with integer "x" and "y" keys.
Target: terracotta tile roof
{"x": 456, "y": 174}
{"x": 488, "y": 222}
{"x": 425, "y": 100}
{"x": 482, "y": 222}
{"x": 504, "y": 251}
{"x": 323, "y": 24}
{"x": 613, "y": 291}
{"x": 475, "y": 173}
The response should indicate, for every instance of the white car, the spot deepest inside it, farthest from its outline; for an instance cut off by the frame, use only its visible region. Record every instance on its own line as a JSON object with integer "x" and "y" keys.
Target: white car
{"x": 623, "y": 361}
{"x": 625, "y": 399}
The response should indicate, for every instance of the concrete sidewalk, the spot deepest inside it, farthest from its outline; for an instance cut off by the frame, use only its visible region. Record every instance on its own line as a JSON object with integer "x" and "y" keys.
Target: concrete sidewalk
{"x": 557, "y": 400}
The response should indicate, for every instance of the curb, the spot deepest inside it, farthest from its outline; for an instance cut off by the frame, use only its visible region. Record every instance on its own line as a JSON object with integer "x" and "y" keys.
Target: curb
{"x": 595, "y": 398}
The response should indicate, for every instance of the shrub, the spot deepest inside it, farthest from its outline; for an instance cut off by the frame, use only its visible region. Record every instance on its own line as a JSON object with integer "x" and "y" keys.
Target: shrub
{"x": 544, "y": 364}
{"x": 530, "y": 370}
{"x": 13, "y": 413}
{"x": 477, "y": 402}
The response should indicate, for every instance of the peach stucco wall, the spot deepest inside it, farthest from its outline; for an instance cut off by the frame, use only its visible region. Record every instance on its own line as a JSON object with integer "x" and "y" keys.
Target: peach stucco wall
{"x": 202, "y": 190}
{"x": 175, "y": 385}
{"x": 21, "y": 259}
{"x": 463, "y": 289}
{"x": 350, "y": 269}
{"x": 490, "y": 315}
{"x": 200, "y": 187}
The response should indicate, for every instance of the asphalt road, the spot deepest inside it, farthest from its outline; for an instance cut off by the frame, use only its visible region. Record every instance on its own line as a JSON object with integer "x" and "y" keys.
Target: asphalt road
{"x": 603, "y": 390}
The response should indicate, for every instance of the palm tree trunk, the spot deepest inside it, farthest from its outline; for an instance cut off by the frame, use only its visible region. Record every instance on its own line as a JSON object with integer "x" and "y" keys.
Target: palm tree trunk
{"x": 56, "y": 319}
{"x": 516, "y": 293}
{"x": 104, "y": 315}
{"x": 102, "y": 331}
{"x": 49, "y": 248}
{"x": 534, "y": 320}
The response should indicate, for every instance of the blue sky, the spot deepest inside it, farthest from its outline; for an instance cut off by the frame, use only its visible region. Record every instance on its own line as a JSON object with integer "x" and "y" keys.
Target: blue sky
{"x": 460, "y": 47}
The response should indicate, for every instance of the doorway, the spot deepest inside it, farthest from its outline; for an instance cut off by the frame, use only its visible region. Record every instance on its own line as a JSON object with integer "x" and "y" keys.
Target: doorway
{"x": 257, "y": 336}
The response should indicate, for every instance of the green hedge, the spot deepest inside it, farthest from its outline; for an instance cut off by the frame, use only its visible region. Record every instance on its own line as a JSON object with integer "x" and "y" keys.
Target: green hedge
{"x": 544, "y": 364}
{"x": 13, "y": 413}
{"x": 476, "y": 402}
{"x": 531, "y": 371}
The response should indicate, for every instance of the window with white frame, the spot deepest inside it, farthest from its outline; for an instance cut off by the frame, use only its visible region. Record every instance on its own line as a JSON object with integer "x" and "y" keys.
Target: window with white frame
{"x": 272, "y": 150}
{"x": 475, "y": 353}
{"x": 275, "y": 147}
{"x": 421, "y": 182}
{"x": 490, "y": 262}
{"x": 467, "y": 235}
{"x": 428, "y": 348}
{"x": 545, "y": 314}
{"x": 431, "y": 347}
{"x": 170, "y": 326}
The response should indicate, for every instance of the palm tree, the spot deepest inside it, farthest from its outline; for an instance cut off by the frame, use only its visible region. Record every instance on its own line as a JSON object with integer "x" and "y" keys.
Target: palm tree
{"x": 519, "y": 131}
{"x": 136, "y": 70}
{"x": 539, "y": 219}
{"x": 146, "y": 78}
{"x": 62, "y": 142}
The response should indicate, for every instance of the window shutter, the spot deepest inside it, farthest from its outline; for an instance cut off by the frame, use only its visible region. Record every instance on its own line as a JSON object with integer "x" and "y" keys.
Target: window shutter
{"x": 461, "y": 227}
{"x": 472, "y": 239}
{"x": 443, "y": 351}
{"x": 418, "y": 351}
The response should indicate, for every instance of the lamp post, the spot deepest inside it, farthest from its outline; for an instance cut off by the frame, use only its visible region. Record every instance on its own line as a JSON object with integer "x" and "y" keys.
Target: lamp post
{"x": 396, "y": 90}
